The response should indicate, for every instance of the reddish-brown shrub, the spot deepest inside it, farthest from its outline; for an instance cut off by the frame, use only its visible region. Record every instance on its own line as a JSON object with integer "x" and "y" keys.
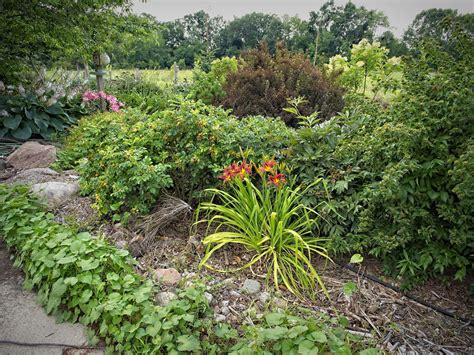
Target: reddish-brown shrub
{"x": 263, "y": 83}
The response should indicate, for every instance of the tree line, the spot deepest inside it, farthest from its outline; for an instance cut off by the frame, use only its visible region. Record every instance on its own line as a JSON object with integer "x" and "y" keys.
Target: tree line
{"x": 52, "y": 31}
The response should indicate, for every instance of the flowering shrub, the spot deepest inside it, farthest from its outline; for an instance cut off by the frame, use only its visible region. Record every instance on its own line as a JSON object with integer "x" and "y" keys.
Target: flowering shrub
{"x": 125, "y": 160}
{"x": 93, "y": 98}
{"x": 369, "y": 64}
{"x": 268, "y": 218}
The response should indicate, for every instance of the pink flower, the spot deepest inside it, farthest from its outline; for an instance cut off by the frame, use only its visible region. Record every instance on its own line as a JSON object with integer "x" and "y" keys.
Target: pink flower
{"x": 89, "y": 96}
{"x": 115, "y": 107}
{"x": 113, "y": 103}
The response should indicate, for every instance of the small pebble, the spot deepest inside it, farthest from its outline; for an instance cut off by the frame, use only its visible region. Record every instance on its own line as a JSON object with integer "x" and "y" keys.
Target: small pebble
{"x": 228, "y": 283}
{"x": 163, "y": 298}
{"x": 235, "y": 294}
{"x": 121, "y": 244}
{"x": 209, "y": 297}
{"x": 168, "y": 277}
{"x": 220, "y": 318}
{"x": 240, "y": 307}
{"x": 280, "y": 303}
{"x": 225, "y": 310}
{"x": 264, "y": 297}
{"x": 251, "y": 286}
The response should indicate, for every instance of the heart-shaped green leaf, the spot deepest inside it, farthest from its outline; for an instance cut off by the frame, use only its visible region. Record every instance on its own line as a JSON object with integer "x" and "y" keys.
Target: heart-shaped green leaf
{"x": 22, "y": 133}
{"x": 12, "y": 122}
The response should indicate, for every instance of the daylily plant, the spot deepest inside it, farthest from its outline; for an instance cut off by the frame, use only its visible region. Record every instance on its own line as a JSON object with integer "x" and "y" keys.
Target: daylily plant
{"x": 267, "y": 218}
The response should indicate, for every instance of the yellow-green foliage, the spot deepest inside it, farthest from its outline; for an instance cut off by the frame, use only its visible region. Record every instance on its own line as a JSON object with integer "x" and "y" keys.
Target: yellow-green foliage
{"x": 369, "y": 70}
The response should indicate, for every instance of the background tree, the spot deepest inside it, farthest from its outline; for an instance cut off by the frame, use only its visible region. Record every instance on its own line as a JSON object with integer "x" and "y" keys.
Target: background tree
{"x": 340, "y": 27}
{"x": 297, "y": 34}
{"x": 191, "y": 37}
{"x": 47, "y": 31}
{"x": 248, "y": 32}
{"x": 438, "y": 25}
{"x": 140, "y": 44}
{"x": 396, "y": 46}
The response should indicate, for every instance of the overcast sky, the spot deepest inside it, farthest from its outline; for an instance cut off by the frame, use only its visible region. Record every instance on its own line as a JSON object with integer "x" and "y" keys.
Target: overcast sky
{"x": 400, "y": 13}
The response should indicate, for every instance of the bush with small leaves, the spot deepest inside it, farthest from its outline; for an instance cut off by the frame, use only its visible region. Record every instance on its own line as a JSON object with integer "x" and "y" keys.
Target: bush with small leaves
{"x": 263, "y": 83}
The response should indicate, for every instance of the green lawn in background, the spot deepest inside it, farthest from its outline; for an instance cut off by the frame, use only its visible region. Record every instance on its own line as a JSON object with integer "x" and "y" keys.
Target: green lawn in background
{"x": 153, "y": 76}
{"x": 160, "y": 76}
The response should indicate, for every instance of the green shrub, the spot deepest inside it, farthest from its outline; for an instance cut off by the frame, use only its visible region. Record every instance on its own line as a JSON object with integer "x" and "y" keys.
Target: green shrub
{"x": 263, "y": 83}
{"x": 201, "y": 139}
{"x": 400, "y": 180}
{"x": 267, "y": 219}
{"x": 208, "y": 86}
{"x": 121, "y": 161}
{"x": 125, "y": 160}
{"x": 136, "y": 92}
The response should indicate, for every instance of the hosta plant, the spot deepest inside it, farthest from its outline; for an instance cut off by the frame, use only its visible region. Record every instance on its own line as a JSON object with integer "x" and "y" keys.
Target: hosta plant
{"x": 267, "y": 218}
{"x": 22, "y": 116}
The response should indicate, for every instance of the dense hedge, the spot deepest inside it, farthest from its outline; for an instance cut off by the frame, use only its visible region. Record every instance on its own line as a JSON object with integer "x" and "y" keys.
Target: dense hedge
{"x": 262, "y": 85}
{"x": 401, "y": 178}
{"x": 183, "y": 147}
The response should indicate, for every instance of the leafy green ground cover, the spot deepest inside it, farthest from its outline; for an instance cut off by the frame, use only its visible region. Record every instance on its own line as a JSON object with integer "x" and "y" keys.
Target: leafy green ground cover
{"x": 82, "y": 278}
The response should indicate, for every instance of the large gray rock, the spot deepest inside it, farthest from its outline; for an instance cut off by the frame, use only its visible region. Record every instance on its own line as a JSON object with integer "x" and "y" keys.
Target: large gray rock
{"x": 32, "y": 155}
{"x": 54, "y": 193}
{"x": 34, "y": 176}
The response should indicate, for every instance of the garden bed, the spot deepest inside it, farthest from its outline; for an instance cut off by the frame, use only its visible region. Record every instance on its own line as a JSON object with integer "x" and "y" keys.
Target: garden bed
{"x": 393, "y": 321}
